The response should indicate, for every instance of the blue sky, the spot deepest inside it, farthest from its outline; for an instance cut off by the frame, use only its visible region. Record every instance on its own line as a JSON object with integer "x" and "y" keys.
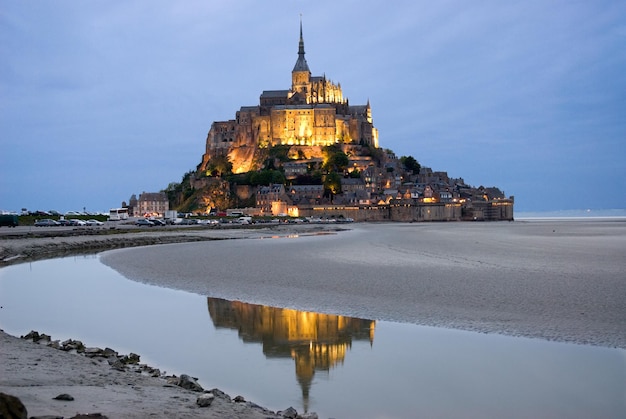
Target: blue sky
{"x": 103, "y": 99}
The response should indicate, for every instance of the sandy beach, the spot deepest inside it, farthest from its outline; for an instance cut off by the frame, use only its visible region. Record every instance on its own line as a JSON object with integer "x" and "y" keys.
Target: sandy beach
{"x": 584, "y": 262}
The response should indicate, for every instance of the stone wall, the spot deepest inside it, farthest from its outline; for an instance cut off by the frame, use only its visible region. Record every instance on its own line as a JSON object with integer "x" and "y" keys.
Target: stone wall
{"x": 484, "y": 211}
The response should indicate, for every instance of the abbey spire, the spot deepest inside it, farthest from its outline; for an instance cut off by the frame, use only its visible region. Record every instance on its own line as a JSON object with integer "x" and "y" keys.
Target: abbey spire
{"x": 301, "y": 64}
{"x": 301, "y": 75}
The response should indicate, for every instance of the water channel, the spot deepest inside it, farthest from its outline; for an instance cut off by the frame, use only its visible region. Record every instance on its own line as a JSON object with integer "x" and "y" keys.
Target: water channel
{"x": 337, "y": 366}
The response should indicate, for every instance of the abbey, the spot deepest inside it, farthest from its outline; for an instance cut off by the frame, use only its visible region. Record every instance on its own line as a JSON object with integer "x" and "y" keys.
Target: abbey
{"x": 275, "y": 158}
{"x": 313, "y": 113}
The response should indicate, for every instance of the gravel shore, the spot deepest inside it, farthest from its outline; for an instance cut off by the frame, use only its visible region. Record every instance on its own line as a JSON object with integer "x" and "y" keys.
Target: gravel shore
{"x": 37, "y": 373}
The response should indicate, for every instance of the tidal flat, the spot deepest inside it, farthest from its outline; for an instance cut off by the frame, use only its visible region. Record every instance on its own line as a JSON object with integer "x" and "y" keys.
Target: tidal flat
{"x": 397, "y": 305}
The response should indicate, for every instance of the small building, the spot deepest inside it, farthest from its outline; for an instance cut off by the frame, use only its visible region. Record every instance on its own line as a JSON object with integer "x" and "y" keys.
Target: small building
{"x": 305, "y": 194}
{"x": 266, "y": 196}
{"x": 151, "y": 203}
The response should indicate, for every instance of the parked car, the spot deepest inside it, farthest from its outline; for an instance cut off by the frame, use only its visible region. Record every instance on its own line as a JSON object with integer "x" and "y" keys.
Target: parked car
{"x": 46, "y": 222}
{"x": 64, "y": 222}
{"x": 144, "y": 222}
{"x": 76, "y": 222}
{"x": 157, "y": 222}
{"x": 94, "y": 223}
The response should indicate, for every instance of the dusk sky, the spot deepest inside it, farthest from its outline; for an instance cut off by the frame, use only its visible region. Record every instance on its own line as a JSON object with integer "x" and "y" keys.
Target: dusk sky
{"x": 100, "y": 100}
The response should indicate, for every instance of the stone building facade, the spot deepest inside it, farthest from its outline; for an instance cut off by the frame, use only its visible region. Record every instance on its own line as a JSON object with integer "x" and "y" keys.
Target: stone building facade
{"x": 311, "y": 114}
{"x": 151, "y": 203}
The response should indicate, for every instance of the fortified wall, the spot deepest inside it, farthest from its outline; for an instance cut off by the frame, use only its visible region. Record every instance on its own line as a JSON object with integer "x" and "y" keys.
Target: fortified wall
{"x": 501, "y": 210}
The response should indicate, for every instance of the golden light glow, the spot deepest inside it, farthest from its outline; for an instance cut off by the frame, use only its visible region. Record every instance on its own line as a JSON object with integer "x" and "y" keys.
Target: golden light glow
{"x": 315, "y": 341}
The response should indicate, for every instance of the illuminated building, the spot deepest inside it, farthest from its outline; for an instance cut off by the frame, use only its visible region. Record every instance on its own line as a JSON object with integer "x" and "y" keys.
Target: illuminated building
{"x": 311, "y": 114}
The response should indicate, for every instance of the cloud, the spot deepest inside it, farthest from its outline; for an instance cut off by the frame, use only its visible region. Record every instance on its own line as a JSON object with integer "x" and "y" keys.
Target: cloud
{"x": 490, "y": 91}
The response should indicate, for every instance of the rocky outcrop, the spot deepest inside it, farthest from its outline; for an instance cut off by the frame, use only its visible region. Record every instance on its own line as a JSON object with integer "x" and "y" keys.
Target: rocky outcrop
{"x": 188, "y": 383}
{"x": 11, "y": 407}
{"x": 205, "y": 400}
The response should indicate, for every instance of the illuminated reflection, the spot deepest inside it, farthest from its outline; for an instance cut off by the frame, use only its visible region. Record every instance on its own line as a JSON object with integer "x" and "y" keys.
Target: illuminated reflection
{"x": 315, "y": 341}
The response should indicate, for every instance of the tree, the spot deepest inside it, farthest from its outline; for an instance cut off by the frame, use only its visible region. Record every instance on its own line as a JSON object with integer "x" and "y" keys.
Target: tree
{"x": 335, "y": 159}
{"x": 332, "y": 185}
{"x": 355, "y": 174}
{"x": 219, "y": 166}
{"x": 313, "y": 178}
{"x": 267, "y": 177}
{"x": 411, "y": 164}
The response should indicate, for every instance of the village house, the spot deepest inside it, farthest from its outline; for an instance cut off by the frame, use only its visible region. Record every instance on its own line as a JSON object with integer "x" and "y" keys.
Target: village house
{"x": 151, "y": 204}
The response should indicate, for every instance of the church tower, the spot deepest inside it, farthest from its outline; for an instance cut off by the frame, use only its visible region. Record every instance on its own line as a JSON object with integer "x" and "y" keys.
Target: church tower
{"x": 301, "y": 75}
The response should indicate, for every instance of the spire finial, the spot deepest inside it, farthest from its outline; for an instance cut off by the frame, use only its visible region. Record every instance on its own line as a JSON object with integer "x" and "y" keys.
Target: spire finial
{"x": 301, "y": 64}
{"x": 301, "y": 43}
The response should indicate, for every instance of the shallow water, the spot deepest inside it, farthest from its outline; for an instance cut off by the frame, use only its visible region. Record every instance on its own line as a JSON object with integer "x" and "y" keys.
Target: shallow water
{"x": 338, "y": 366}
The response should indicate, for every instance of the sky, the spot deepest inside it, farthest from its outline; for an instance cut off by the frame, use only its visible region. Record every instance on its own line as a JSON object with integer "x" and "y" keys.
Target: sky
{"x": 100, "y": 100}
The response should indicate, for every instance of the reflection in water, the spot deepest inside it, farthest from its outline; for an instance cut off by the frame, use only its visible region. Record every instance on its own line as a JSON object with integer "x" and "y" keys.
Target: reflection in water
{"x": 315, "y": 341}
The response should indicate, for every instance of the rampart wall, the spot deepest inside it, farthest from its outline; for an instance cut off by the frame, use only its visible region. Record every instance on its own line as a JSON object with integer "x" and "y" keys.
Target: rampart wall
{"x": 484, "y": 211}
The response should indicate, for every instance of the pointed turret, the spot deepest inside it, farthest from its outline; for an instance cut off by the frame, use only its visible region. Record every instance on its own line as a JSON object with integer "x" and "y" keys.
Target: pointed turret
{"x": 301, "y": 64}
{"x": 301, "y": 75}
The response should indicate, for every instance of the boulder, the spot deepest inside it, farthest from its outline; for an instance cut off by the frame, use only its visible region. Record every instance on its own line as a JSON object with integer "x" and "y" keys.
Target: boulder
{"x": 108, "y": 352}
{"x": 116, "y": 364}
{"x": 44, "y": 339}
{"x": 55, "y": 344}
{"x": 130, "y": 358}
{"x": 12, "y": 407}
{"x": 133, "y": 358}
{"x": 205, "y": 400}
{"x": 289, "y": 413}
{"x": 93, "y": 352}
{"x": 71, "y": 345}
{"x": 32, "y": 335}
{"x": 65, "y": 397}
{"x": 219, "y": 393}
{"x": 239, "y": 399}
{"x": 189, "y": 383}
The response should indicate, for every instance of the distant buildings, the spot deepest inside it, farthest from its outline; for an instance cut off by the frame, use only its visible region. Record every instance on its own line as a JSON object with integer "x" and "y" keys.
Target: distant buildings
{"x": 149, "y": 203}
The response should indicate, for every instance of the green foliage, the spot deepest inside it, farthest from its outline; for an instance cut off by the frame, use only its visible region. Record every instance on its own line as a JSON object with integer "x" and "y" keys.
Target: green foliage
{"x": 410, "y": 164}
{"x": 277, "y": 153}
{"x": 355, "y": 174}
{"x": 313, "y": 178}
{"x": 266, "y": 177}
{"x": 280, "y": 153}
{"x": 334, "y": 159}
{"x": 377, "y": 154}
{"x": 219, "y": 166}
{"x": 332, "y": 184}
{"x": 255, "y": 178}
{"x": 239, "y": 178}
{"x": 177, "y": 193}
